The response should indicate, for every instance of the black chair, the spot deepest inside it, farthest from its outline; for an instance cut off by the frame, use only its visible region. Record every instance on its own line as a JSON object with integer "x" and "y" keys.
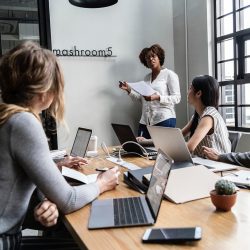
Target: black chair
{"x": 47, "y": 243}
{"x": 53, "y": 238}
{"x": 234, "y": 137}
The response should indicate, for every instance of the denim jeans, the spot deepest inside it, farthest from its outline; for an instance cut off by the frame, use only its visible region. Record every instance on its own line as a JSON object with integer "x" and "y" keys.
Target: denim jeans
{"x": 143, "y": 131}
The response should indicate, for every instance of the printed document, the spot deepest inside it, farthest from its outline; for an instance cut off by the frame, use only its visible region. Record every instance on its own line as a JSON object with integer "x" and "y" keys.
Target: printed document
{"x": 142, "y": 88}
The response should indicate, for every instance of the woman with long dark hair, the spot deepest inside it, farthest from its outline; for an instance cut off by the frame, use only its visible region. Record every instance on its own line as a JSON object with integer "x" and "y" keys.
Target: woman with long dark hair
{"x": 206, "y": 127}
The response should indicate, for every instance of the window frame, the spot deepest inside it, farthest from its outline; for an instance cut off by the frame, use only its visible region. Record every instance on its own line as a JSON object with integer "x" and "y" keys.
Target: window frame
{"x": 240, "y": 77}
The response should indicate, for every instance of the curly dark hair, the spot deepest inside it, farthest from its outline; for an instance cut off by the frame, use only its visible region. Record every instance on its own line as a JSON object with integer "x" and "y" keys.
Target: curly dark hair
{"x": 155, "y": 49}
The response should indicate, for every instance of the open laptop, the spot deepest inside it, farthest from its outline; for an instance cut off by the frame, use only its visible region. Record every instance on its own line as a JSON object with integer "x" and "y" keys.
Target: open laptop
{"x": 134, "y": 211}
{"x": 172, "y": 142}
{"x": 124, "y": 134}
{"x": 81, "y": 142}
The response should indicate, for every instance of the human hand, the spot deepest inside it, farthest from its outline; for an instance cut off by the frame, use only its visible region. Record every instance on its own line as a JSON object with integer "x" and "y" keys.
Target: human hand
{"x": 46, "y": 213}
{"x": 108, "y": 180}
{"x": 211, "y": 153}
{"x": 73, "y": 162}
{"x": 153, "y": 97}
{"x": 124, "y": 86}
{"x": 140, "y": 138}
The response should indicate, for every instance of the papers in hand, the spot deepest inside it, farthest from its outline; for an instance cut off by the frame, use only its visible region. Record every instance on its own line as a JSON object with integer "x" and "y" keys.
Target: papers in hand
{"x": 241, "y": 177}
{"x": 76, "y": 175}
{"x": 142, "y": 88}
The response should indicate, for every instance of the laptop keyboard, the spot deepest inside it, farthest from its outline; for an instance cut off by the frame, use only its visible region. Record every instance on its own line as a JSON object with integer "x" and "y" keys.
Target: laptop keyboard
{"x": 129, "y": 211}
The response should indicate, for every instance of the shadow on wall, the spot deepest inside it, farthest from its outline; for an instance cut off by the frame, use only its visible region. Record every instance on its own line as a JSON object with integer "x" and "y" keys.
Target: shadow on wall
{"x": 122, "y": 110}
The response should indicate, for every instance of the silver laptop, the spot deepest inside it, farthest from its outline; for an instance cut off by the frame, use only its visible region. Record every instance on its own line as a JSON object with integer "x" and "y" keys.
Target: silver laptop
{"x": 172, "y": 142}
{"x": 81, "y": 142}
{"x": 134, "y": 211}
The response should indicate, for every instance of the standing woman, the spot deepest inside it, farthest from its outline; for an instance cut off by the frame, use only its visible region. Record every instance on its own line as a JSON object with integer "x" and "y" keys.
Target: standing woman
{"x": 31, "y": 81}
{"x": 157, "y": 109}
{"x": 206, "y": 127}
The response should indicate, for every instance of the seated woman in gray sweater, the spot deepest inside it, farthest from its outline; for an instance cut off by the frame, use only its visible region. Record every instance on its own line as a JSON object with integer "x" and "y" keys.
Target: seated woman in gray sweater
{"x": 241, "y": 159}
{"x": 31, "y": 81}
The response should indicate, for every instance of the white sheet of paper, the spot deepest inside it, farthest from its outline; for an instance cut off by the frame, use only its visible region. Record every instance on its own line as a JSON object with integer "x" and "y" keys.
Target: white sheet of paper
{"x": 142, "y": 88}
{"x": 68, "y": 172}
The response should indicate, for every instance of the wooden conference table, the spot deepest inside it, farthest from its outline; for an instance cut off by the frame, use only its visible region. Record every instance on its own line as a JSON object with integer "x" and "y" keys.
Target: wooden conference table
{"x": 220, "y": 230}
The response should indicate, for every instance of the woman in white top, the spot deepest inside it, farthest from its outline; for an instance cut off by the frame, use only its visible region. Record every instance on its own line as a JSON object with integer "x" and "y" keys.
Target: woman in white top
{"x": 206, "y": 127}
{"x": 157, "y": 109}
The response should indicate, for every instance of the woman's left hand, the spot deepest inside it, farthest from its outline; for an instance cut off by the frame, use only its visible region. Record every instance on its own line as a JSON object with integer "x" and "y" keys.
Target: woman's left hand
{"x": 46, "y": 213}
{"x": 152, "y": 98}
{"x": 72, "y": 162}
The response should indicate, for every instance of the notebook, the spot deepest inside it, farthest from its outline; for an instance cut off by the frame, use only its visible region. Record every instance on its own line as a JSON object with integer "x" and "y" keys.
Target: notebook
{"x": 241, "y": 178}
{"x": 134, "y": 211}
{"x": 124, "y": 134}
{"x": 81, "y": 142}
{"x": 172, "y": 142}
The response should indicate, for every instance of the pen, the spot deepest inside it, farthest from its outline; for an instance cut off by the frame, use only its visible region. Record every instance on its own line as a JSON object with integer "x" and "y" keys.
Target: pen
{"x": 102, "y": 169}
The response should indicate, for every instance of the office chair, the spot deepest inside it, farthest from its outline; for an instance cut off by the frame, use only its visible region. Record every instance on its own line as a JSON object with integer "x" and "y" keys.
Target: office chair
{"x": 234, "y": 137}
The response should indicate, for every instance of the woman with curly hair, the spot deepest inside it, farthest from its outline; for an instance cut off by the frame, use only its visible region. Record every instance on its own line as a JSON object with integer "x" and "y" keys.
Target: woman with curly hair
{"x": 159, "y": 108}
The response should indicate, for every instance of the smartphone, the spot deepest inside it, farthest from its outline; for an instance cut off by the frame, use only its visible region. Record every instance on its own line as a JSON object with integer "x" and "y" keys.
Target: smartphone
{"x": 161, "y": 235}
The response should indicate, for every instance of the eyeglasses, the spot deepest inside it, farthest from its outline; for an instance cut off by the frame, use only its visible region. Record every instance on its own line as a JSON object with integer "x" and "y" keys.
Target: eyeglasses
{"x": 148, "y": 57}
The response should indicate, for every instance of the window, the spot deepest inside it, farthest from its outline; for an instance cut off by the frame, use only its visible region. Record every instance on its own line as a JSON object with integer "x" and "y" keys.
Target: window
{"x": 27, "y": 20}
{"x": 232, "y": 56}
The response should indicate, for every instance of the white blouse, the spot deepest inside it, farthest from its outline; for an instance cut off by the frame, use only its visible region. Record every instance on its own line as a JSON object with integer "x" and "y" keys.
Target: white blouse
{"x": 167, "y": 86}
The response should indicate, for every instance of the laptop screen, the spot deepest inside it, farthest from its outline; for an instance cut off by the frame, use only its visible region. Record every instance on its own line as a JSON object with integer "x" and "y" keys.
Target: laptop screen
{"x": 81, "y": 142}
{"x": 158, "y": 181}
{"x": 124, "y": 134}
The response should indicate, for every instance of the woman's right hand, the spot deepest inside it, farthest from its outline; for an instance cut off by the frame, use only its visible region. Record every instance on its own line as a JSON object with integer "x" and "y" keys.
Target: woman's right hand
{"x": 108, "y": 180}
{"x": 124, "y": 86}
{"x": 210, "y": 153}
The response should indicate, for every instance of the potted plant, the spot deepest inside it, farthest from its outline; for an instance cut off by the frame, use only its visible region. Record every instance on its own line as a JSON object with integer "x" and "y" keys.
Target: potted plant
{"x": 224, "y": 195}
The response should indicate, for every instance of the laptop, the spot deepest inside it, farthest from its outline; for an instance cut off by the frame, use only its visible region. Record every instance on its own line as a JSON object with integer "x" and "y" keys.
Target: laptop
{"x": 172, "y": 142}
{"x": 124, "y": 134}
{"x": 81, "y": 142}
{"x": 134, "y": 211}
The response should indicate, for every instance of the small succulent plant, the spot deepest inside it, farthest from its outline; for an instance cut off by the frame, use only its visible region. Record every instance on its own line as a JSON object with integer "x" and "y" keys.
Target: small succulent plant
{"x": 225, "y": 187}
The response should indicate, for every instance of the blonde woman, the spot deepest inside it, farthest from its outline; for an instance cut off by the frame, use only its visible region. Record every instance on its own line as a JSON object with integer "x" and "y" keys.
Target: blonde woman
{"x": 31, "y": 81}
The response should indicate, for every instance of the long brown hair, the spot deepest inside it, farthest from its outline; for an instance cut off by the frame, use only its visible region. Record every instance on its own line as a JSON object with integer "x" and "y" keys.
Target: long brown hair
{"x": 28, "y": 70}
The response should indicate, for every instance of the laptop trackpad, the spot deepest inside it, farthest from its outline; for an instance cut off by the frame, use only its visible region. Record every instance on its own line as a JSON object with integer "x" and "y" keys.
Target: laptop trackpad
{"x": 102, "y": 214}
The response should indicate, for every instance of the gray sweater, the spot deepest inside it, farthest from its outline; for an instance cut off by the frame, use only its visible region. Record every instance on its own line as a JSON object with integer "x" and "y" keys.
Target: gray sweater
{"x": 26, "y": 163}
{"x": 241, "y": 159}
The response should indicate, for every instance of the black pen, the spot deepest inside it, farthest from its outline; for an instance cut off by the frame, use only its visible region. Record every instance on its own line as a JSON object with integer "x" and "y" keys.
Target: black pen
{"x": 102, "y": 169}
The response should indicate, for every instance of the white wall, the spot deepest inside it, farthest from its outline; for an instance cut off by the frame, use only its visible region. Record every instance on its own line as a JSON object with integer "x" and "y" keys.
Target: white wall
{"x": 193, "y": 45}
{"x": 93, "y": 99}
